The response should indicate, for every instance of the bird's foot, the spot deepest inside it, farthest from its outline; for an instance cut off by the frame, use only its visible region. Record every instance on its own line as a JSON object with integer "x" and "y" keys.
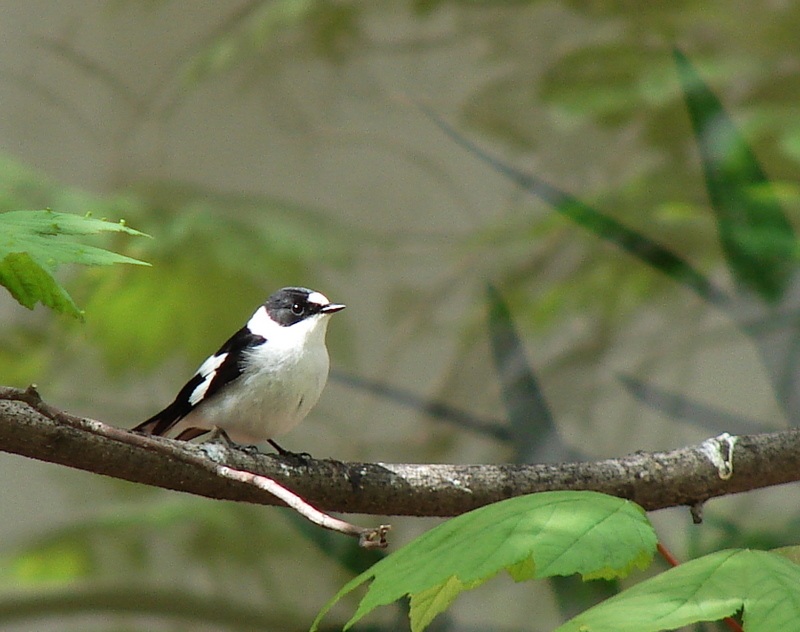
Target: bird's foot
{"x": 301, "y": 458}
{"x": 218, "y": 435}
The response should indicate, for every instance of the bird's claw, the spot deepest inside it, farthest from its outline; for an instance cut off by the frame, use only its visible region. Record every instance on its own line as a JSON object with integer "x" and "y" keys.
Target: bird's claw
{"x": 218, "y": 435}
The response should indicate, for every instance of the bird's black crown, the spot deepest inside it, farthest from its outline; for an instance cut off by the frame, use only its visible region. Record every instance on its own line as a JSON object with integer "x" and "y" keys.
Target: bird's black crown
{"x": 290, "y": 305}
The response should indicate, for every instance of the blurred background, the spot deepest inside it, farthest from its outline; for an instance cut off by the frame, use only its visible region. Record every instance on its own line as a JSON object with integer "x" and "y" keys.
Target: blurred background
{"x": 264, "y": 144}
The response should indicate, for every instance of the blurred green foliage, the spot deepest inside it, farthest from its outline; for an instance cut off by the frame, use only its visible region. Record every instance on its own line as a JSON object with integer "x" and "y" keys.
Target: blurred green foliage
{"x": 216, "y": 255}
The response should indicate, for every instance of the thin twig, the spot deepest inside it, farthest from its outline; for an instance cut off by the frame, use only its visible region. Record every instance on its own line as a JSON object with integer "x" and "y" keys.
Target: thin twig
{"x": 367, "y": 538}
{"x": 667, "y": 555}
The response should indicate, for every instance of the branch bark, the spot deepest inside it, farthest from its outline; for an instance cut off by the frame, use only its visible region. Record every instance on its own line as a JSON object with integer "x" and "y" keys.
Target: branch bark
{"x": 686, "y": 476}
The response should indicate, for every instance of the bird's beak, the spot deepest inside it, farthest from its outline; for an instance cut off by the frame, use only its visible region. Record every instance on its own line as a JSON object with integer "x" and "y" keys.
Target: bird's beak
{"x": 330, "y": 308}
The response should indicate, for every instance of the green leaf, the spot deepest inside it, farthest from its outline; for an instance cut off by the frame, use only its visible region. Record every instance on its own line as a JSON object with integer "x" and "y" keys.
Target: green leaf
{"x": 757, "y": 238}
{"x": 426, "y": 604}
{"x": 34, "y": 243}
{"x": 539, "y": 535}
{"x": 532, "y": 424}
{"x": 30, "y": 283}
{"x": 766, "y": 585}
{"x": 31, "y": 224}
{"x": 604, "y": 226}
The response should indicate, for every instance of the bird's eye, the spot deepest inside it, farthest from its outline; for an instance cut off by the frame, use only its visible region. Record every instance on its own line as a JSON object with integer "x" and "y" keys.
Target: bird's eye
{"x": 297, "y": 308}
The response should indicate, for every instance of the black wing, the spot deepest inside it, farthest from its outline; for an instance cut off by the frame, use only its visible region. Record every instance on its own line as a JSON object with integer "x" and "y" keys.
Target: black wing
{"x": 228, "y": 370}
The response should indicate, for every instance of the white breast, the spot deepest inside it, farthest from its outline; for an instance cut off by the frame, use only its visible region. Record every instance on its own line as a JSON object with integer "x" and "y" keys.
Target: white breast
{"x": 282, "y": 383}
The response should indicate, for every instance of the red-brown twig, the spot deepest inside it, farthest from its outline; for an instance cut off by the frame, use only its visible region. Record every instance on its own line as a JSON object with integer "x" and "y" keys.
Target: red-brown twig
{"x": 667, "y": 555}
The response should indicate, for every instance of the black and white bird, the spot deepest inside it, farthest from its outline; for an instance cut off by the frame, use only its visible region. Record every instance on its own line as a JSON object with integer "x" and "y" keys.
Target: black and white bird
{"x": 263, "y": 381}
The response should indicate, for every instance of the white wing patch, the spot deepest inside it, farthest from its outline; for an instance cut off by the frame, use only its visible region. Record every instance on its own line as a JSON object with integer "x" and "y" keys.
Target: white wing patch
{"x": 207, "y": 371}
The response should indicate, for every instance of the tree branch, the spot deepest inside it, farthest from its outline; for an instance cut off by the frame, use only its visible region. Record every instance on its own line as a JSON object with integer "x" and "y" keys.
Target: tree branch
{"x": 687, "y": 476}
{"x": 367, "y": 538}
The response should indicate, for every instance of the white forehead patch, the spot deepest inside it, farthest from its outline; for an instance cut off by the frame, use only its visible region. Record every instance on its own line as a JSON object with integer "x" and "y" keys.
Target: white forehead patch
{"x": 318, "y": 298}
{"x": 207, "y": 370}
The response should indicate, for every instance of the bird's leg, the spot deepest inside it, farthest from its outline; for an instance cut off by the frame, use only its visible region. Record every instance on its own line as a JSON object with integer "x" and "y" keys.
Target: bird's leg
{"x": 220, "y": 436}
{"x": 302, "y": 457}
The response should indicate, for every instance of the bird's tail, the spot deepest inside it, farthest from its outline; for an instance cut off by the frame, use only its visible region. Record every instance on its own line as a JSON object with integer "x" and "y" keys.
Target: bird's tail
{"x": 147, "y": 427}
{"x": 160, "y": 423}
